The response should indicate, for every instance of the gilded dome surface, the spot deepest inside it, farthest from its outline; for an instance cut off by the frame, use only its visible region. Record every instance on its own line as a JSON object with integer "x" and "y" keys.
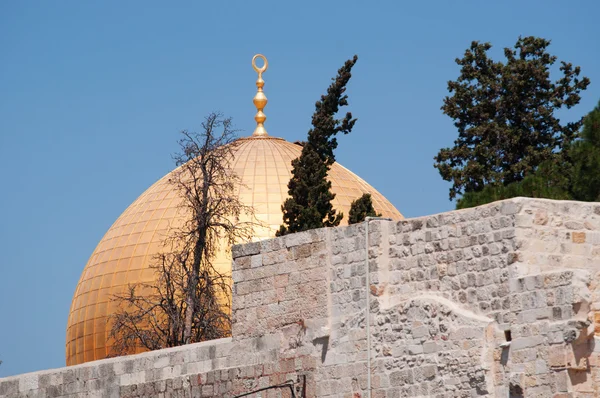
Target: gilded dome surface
{"x": 124, "y": 254}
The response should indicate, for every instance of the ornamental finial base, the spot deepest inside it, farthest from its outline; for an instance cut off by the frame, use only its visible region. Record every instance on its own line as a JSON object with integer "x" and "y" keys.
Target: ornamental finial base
{"x": 260, "y": 99}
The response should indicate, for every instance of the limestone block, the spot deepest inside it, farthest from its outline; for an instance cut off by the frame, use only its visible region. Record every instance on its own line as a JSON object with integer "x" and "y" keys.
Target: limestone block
{"x": 578, "y": 237}
{"x": 439, "y": 283}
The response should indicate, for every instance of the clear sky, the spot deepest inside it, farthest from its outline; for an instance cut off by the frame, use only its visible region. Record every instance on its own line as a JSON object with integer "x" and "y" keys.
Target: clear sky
{"x": 93, "y": 94}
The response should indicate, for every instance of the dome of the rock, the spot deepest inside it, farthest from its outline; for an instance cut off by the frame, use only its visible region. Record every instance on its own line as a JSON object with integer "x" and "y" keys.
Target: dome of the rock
{"x": 126, "y": 251}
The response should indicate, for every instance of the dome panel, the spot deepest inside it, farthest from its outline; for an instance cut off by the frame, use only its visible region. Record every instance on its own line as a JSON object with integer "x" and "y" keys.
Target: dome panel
{"x": 125, "y": 253}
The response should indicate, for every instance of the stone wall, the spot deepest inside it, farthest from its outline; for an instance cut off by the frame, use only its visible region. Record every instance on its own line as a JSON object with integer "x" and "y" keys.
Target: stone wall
{"x": 500, "y": 300}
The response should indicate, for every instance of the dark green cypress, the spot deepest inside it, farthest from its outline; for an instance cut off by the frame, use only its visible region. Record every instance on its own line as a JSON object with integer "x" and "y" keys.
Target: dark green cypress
{"x": 309, "y": 205}
{"x": 362, "y": 208}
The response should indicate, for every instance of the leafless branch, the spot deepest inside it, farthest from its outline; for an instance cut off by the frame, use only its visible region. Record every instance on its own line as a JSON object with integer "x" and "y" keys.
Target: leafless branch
{"x": 189, "y": 301}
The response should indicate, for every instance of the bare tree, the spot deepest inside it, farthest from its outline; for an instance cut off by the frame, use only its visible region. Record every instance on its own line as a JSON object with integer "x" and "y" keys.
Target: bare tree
{"x": 189, "y": 301}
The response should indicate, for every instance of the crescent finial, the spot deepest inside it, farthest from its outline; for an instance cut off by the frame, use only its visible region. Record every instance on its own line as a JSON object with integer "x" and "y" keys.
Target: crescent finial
{"x": 260, "y": 99}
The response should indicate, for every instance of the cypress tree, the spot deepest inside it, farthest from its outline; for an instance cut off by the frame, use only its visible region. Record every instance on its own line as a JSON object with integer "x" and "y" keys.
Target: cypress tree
{"x": 309, "y": 205}
{"x": 362, "y": 208}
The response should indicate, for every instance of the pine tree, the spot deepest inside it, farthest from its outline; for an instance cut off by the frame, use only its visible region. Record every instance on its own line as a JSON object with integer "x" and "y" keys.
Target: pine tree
{"x": 362, "y": 208}
{"x": 576, "y": 177}
{"x": 309, "y": 205}
{"x": 586, "y": 159}
{"x": 549, "y": 181}
{"x": 505, "y": 115}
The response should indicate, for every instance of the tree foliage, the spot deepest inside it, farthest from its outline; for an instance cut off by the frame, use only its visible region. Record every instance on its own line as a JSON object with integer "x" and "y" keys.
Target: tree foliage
{"x": 576, "y": 176}
{"x": 189, "y": 300}
{"x": 505, "y": 114}
{"x": 362, "y": 208}
{"x": 549, "y": 181}
{"x": 309, "y": 205}
{"x": 585, "y": 154}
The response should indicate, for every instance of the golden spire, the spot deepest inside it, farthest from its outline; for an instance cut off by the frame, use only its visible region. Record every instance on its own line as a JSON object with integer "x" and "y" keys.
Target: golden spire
{"x": 260, "y": 99}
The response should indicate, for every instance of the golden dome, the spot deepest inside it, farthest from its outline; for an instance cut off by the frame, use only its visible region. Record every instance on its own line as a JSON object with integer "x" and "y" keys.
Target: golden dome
{"x": 125, "y": 253}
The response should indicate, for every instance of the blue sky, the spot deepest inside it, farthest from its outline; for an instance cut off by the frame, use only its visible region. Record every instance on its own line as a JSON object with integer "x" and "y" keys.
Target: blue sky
{"x": 93, "y": 94}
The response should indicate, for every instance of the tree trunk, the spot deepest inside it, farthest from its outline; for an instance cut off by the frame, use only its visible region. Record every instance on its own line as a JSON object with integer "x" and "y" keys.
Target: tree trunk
{"x": 201, "y": 215}
{"x": 191, "y": 288}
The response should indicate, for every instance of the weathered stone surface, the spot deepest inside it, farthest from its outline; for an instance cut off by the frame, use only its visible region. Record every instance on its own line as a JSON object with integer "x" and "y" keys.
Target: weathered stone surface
{"x": 498, "y": 299}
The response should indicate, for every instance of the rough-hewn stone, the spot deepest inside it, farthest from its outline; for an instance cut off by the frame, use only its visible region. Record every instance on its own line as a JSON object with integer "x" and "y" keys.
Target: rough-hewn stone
{"x": 498, "y": 300}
